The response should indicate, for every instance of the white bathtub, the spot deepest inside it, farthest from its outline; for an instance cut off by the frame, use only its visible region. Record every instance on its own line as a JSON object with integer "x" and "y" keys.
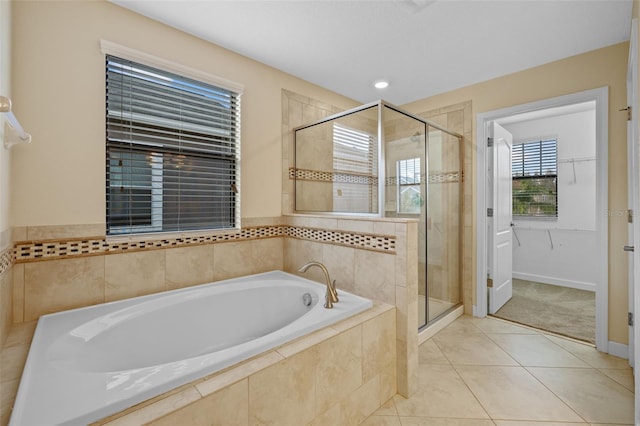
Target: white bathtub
{"x": 88, "y": 363}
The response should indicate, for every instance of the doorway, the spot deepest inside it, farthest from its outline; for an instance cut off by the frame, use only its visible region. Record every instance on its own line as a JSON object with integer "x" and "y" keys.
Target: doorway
{"x": 552, "y": 235}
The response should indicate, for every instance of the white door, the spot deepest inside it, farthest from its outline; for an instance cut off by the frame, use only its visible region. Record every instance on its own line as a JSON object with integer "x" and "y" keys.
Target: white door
{"x": 634, "y": 206}
{"x": 633, "y": 181}
{"x": 500, "y": 235}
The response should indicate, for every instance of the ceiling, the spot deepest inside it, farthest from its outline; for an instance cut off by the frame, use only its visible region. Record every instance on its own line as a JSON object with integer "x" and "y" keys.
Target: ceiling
{"x": 422, "y": 47}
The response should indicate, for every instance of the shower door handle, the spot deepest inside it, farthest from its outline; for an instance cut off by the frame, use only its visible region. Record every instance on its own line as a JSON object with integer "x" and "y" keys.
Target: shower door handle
{"x": 628, "y": 248}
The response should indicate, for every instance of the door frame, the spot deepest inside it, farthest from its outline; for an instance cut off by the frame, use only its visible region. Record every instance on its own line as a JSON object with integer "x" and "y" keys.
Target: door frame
{"x": 601, "y": 98}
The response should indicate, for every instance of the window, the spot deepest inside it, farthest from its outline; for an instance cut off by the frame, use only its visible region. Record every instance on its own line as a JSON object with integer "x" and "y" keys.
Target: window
{"x": 534, "y": 168}
{"x": 409, "y": 193}
{"x": 173, "y": 148}
{"x": 355, "y": 164}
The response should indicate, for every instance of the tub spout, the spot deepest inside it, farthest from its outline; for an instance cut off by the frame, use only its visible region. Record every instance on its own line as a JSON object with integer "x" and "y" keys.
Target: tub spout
{"x": 332, "y": 294}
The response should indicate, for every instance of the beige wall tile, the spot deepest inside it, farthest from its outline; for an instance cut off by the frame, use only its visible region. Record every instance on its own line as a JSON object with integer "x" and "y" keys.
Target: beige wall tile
{"x": 378, "y": 344}
{"x": 237, "y": 373}
{"x": 298, "y": 252}
{"x": 18, "y": 292}
{"x": 361, "y": 403}
{"x": 364, "y": 226}
{"x": 157, "y": 409}
{"x": 340, "y": 263}
{"x": 375, "y": 276}
{"x": 58, "y": 285}
{"x": 388, "y": 381}
{"x": 267, "y": 255}
{"x": 231, "y": 260}
{"x": 134, "y": 274}
{"x": 292, "y": 380}
{"x": 306, "y": 342}
{"x": 339, "y": 368}
{"x": 6, "y": 304}
{"x": 384, "y": 228}
{"x": 238, "y": 259}
{"x": 187, "y": 266}
{"x": 230, "y": 406}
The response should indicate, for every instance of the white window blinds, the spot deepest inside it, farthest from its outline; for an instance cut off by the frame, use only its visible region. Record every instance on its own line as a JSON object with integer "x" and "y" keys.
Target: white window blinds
{"x": 173, "y": 148}
{"x": 534, "y": 169}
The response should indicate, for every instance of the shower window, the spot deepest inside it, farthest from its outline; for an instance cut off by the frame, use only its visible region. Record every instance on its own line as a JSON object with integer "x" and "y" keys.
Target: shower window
{"x": 354, "y": 164}
{"x": 409, "y": 192}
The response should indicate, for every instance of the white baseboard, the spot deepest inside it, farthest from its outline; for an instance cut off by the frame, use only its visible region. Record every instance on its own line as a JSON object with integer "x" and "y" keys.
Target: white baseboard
{"x": 432, "y": 329}
{"x": 580, "y": 285}
{"x": 619, "y": 350}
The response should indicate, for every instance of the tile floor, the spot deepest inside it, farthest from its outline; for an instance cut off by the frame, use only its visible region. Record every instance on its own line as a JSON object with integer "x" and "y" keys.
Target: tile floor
{"x": 478, "y": 372}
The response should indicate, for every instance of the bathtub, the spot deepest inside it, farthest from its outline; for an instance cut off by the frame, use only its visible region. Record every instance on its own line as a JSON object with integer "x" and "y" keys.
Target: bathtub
{"x": 86, "y": 364}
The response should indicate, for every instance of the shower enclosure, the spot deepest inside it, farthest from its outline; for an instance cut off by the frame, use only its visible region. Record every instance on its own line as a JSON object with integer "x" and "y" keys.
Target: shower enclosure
{"x": 378, "y": 160}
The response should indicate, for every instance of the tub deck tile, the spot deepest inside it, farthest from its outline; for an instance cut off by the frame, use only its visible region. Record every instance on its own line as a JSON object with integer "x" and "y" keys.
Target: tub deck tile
{"x": 377, "y": 309}
{"x": 305, "y": 342}
{"x": 237, "y": 373}
{"x": 158, "y": 409}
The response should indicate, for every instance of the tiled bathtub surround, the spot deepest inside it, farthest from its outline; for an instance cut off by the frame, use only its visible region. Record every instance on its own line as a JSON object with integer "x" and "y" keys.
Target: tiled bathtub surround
{"x": 374, "y": 258}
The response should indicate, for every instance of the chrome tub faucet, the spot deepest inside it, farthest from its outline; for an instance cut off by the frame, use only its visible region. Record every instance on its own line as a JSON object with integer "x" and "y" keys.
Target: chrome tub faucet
{"x": 332, "y": 294}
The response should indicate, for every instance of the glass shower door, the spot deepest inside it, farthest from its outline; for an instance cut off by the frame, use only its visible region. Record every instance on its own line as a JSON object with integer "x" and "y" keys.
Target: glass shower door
{"x": 442, "y": 225}
{"x": 405, "y": 185}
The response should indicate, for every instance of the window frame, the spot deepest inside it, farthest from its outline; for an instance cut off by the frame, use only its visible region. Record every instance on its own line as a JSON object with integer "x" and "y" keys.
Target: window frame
{"x": 539, "y": 175}
{"x": 409, "y": 185}
{"x": 112, "y": 49}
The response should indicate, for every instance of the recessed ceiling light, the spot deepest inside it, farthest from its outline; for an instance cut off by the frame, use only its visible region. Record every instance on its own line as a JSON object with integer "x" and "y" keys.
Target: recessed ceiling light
{"x": 382, "y": 84}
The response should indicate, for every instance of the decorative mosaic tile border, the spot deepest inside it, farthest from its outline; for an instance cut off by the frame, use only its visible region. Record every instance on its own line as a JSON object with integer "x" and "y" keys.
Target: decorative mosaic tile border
{"x": 30, "y": 251}
{"x": 444, "y": 177}
{"x": 6, "y": 259}
{"x": 382, "y": 243}
{"x": 324, "y": 176}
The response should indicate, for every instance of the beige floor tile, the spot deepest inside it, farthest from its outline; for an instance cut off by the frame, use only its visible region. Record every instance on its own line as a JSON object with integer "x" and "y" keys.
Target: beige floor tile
{"x": 375, "y": 420}
{"x": 589, "y": 354}
{"x": 473, "y": 349}
{"x": 606, "y": 424}
{"x": 387, "y": 409}
{"x": 536, "y": 350}
{"x": 441, "y": 393}
{"x": 624, "y": 376}
{"x": 594, "y": 396}
{"x": 493, "y": 325}
{"x": 525, "y": 423}
{"x": 511, "y": 393}
{"x": 464, "y": 324}
{"x": 430, "y": 353}
{"x": 430, "y": 421}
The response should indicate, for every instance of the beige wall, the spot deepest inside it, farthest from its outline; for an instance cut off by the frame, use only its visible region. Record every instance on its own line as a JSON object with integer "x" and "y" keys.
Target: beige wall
{"x": 603, "y": 67}
{"x": 58, "y": 89}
